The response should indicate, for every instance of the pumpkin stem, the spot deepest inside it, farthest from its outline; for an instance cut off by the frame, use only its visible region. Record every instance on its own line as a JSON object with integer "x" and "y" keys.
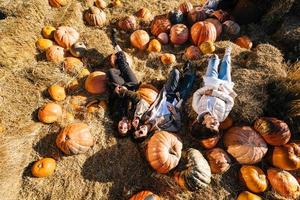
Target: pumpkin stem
{"x": 172, "y": 152}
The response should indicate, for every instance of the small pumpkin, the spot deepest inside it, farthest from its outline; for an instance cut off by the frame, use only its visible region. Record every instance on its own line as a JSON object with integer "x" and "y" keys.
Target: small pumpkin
{"x": 163, "y": 38}
{"x": 101, "y": 4}
{"x": 185, "y": 7}
{"x": 217, "y": 25}
{"x": 248, "y": 196}
{"x": 72, "y": 65}
{"x": 287, "y": 157}
{"x": 43, "y": 44}
{"x": 210, "y": 142}
{"x": 144, "y": 14}
{"x": 179, "y": 34}
{"x": 117, "y": 3}
{"x": 55, "y": 54}
{"x": 160, "y": 24}
{"x": 231, "y": 27}
{"x": 84, "y": 73}
{"x": 203, "y": 32}
{"x": 254, "y": 178}
{"x": 207, "y": 47}
{"x": 284, "y": 183}
{"x": 192, "y": 53}
{"x": 244, "y": 42}
{"x": 95, "y": 17}
{"x": 139, "y": 39}
{"x": 57, "y": 92}
{"x": 66, "y": 36}
{"x": 78, "y": 102}
{"x": 154, "y": 46}
{"x": 58, "y": 3}
{"x": 103, "y": 105}
{"x": 220, "y": 15}
{"x": 218, "y": 160}
{"x": 163, "y": 151}
{"x": 96, "y": 82}
{"x": 49, "y": 113}
{"x": 128, "y": 23}
{"x": 148, "y": 92}
{"x": 48, "y": 32}
{"x": 73, "y": 85}
{"x": 193, "y": 171}
{"x": 44, "y": 167}
{"x": 168, "y": 58}
{"x": 226, "y": 124}
{"x": 245, "y": 145}
{"x": 78, "y": 49}
{"x": 145, "y": 195}
{"x": 176, "y": 17}
{"x": 196, "y": 14}
{"x": 274, "y": 131}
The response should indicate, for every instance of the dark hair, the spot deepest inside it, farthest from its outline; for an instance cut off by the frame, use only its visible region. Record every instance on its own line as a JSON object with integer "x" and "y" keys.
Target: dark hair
{"x": 200, "y": 131}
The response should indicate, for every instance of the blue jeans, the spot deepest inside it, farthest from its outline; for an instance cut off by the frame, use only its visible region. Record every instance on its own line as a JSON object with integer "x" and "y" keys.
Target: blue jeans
{"x": 225, "y": 68}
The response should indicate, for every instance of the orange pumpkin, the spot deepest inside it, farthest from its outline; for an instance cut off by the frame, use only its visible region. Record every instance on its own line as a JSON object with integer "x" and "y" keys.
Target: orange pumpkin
{"x": 154, "y": 46}
{"x": 57, "y": 92}
{"x": 284, "y": 183}
{"x": 167, "y": 58}
{"x": 139, "y": 39}
{"x": 217, "y": 25}
{"x": 192, "y": 53}
{"x": 207, "y": 47}
{"x": 43, "y": 44}
{"x": 210, "y": 142}
{"x": 75, "y": 138}
{"x": 55, "y": 54}
{"x": 218, "y": 160}
{"x": 185, "y": 7}
{"x": 254, "y": 178}
{"x": 231, "y": 27}
{"x": 220, "y": 15}
{"x": 148, "y": 92}
{"x": 78, "y": 49}
{"x": 245, "y": 145}
{"x": 145, "y": 195}
{"x": 274, "y": 131}
{"x": 96, "y": 83}
{"x": 163, "y": 151}
{"x": 58, "y": 3}
{"x": 128, "y": 23}
{"x": 179, "y": 34}
{"x": 160, "y": 24}
{"x": 202, "y": 32}
{"x": 72, "y": 65}
{"x": 95, "y": 17}
{"x": 78, "y": 102}
{"x": 226, "y": 124}
{"x": 44, "y": 167}
{"x": 49, "y": 113}
{"x": 48, "y": 32}
{"x": 66, "y": 36}
{"x": 163, "y": 38}
{"x": 83, "y": 73}
{"x": 248, "y": 196}
{"x": 287, "y": 157}
{"x": 117, "y": 3}
{"x": 144, "y": 14}
{"x": 101, "y": 4}
{"x": 244, "y": 42}
{"x": 196, "y": 14}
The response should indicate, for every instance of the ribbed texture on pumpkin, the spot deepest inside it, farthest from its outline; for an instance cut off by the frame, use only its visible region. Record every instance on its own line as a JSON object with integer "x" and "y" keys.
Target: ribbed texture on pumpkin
{"x": 202, "y": 32}
{"x": 287, "y": 157}
{"x": 218, "y": 160}
{"x": 160, "y": 24}
{"x": 95, "y": 17}
{"x": 192, "y": 53}
{"x": 254, "y": 178}
{"x": 96, "y": 82}
{"x": 128, "y": 23}
{"x": 148, "y": 92}
{"x": 185, "y": 7}
{"x": 66, "y": 36}
{"x": 179, "y": 34}
{"x": 217, "y": 25}
{"x": 139, "y": 39}
{"x": 55, "y": 54}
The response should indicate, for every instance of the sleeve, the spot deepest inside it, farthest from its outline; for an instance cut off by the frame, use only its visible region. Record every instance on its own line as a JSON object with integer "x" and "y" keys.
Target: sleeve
{"x": 225, "y": 97}
{"x": 177, "y": 118}
{"x": 196, "y": 97}
{"x": 141, "y": 107}
{"x": 133, "y": 96}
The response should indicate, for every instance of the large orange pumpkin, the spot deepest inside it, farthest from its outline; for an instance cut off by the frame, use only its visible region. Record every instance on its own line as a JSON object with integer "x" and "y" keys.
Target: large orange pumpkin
{"x": 202, "y": 32}
{"x": 148, "y": 92}
{"x": 66, "y": 36}
{"x": 211, "y": 142}
{"x": 75, "y": 138}
{"x": 248, "y": 196}
{"x": 179, "y": 34}
{"x": 254, "y": 178}
{"x": 287, "y": 157}
{"x": 139, "y": 39}
{"x": 196, "y": 14}
{"x": 49, "y": 113}
{"x": 96, "y": 82}
{"x": 163, "y": 151}
{"x": 44, "y": 167}
{"x": 145, "y": 195}
{"x": 160, "y": 24}
{"x": 128, "y": 23}
{"x": 218, "y": 160}
{"x": 244, "y": 42}
{"x": 245, "y": 145}
{"x": 274, "y": 131}
{"x": 95, "y": 16}
{"x": 217, "y": 25}
{"x": 284, "y": 183}
{"x": 55, "y": 54}
{"x": 57, "y": 92}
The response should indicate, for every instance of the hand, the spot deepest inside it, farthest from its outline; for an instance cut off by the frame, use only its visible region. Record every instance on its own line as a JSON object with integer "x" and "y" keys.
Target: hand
{"x": 221, "y": 88}
{"x": 119, "y": 89}
{"x": 135, "y": 122}
{"x": 172, "y": 109}
{"x": 208, "y": 92}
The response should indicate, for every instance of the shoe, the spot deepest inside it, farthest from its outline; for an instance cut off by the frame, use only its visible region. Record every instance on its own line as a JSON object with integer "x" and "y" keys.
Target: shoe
{"x": 188, "y": 69}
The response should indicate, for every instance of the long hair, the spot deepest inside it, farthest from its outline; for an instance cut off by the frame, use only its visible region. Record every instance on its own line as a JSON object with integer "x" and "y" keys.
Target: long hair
{"x": 200, "y": 131}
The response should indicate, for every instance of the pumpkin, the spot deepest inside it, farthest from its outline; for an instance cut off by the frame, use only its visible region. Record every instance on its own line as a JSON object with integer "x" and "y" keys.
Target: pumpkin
{"x": 220, "y": 15}
{"x": 226, "y": 124}
{"x": 72, "y": 65}
{"x": 160, "y": 24}
{"x": 78, "y": 102}
{"x": 75, "y": 138}
{"x": 49, "y": 113}
{"x": 244, "y": 42}
{"x": 193, "y": 171}
{"x": 78, "y": 49}
{"x": 58, "y": 3}
{"x": 145, "y": 195}
{"x": 57, "y": 92}
{"x": 73, "y": 85}
{"x": 245, "y": 145}
{"x": 117, "y": 3}
{"x": 84, "y": 73}
{"x": 179, "y": 34}
{"x": 44, "y": 167}
{"x": 163, "y": 151}
{"x": 248, "y": 196}
{"x": 210, "y": 142}
{"x": 176, "y": 17}
{"x": 154, "y": 46}
{"x": 203, "y": 32}
{"x": 167, "y": 58}
{"x": 55, "y": 54}
{"x": 48, "y": 32}
{"x": 274, "y": 131}
{"x": 185, "y": 7}
{"x": 96, "y": 83}
{"x": 144, "y": 14}
{"x": 254, "y": 178}
{"x": 103, "y": 105}
{"x": 207, "y": 47}
{"x": 231, "y": 27}
{"x": 192, "y": 53}
{"x": 139, "y": 39}
{"x": 195, "y": 15}
{"x": 128, "y": 23}
{"x": 148, "y": 92}
{"x": 43, "y": 44}
{"x": 287, "y": 157}
{"x": 217, "y": 25}
{"x": 66, "y": 36}
{"x": 284, "y": 183}
{"x": 68, "y": 117}
{"x": 101, "y": 4}
{"x": 218, "y": 160}
{"x": 95, "y": 17}
{"x": 163, "y": 38}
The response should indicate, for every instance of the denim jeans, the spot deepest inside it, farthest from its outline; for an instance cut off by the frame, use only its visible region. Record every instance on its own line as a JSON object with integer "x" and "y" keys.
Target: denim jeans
{"x": 225, "y": 68}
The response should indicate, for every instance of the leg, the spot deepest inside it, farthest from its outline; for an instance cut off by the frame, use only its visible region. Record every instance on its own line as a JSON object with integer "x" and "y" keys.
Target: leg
{"x": 126, "y": 71}
{"x": 212, "y": 68}
{"x": 115, "y": 77}
{"x": 186, "y": 83}
{"x": 225, "y": 68}
{"x": 171, "y": 84}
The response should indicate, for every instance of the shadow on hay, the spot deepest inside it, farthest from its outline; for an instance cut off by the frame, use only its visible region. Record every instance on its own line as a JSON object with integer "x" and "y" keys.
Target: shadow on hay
{"x": 94, "y": 59}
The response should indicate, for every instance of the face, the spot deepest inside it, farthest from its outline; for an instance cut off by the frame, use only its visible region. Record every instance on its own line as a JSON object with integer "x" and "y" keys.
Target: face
{"x": 124, "y": 126}
{"x": 211, "y": 122}
{"x": 141, "y": 132}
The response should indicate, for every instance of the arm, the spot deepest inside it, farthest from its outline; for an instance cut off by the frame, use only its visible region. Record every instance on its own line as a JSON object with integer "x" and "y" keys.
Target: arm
{"x": 175, "y": 115}
{"x": 141, "y": 107}
{"x": 133, "y": 96}
{"x": 196, "y": 97}
{"x": 225, "y": 97}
